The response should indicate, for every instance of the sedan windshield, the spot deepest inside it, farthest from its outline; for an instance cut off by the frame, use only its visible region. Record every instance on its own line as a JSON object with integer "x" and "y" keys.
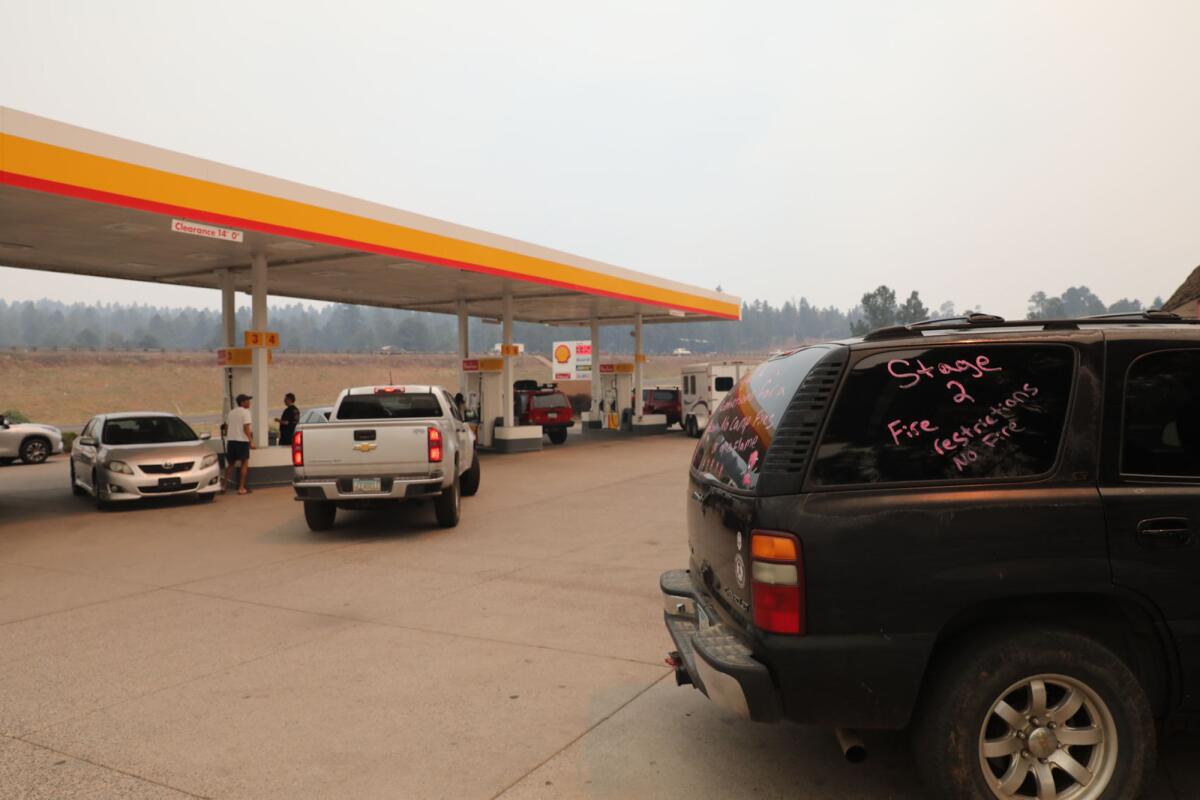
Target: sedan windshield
{"x": 147, "y": 430}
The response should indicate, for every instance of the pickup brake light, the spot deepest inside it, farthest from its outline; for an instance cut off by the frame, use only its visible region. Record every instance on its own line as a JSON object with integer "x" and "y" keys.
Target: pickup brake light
{"x": 435, "y": 445}
{"x": 298, "y": 449}
{"x": 777, "y": 583}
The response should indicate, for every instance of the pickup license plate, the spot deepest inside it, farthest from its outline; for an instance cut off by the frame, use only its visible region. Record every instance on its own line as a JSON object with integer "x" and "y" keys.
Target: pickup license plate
{"x": 169, "y": 483}
{"x": 367, "y": 485}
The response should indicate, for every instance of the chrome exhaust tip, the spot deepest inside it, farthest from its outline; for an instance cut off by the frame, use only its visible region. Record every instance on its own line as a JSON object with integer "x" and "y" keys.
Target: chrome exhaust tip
{"x": 852, "y": 745}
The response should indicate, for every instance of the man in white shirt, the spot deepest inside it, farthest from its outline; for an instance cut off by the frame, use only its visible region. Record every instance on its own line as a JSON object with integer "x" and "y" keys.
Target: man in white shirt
{"x": 239, "y": 441}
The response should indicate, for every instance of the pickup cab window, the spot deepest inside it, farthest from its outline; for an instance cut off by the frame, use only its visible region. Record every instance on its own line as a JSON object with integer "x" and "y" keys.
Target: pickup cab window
{"x": 415, "y": 405}
{"x": 965, "y": 412}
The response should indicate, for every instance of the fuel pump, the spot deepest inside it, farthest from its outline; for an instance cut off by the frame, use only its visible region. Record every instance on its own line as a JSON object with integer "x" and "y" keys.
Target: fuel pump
{"x": 616, "y": 385}
{"x": 484, "y": 400}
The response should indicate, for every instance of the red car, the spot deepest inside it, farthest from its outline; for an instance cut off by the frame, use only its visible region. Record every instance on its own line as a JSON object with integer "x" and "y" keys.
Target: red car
{"x": 545, "y": 406}
{"x": 664, "y": 401}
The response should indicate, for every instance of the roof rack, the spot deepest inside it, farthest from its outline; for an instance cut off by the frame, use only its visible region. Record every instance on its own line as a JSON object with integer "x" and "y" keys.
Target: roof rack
{"x": 979, "y": 320}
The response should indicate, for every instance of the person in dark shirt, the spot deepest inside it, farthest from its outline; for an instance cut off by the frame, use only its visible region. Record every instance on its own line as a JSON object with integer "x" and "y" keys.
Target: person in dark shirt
{"x": 287, "y": 421}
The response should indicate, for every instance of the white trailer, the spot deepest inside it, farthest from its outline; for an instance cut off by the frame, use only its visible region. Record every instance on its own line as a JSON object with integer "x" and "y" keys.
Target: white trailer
{"x": 704, "y": 387}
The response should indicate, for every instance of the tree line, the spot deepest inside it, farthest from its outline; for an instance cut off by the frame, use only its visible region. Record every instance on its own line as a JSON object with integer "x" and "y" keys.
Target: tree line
{"x": 348, "y": 328}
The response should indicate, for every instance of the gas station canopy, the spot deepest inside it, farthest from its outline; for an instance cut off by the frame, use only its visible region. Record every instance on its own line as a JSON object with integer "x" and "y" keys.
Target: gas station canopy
{"x": 81, "y": 202}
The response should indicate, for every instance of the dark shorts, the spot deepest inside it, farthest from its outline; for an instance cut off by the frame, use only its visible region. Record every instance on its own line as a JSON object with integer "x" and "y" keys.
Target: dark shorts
{"x": 237, "y": 451}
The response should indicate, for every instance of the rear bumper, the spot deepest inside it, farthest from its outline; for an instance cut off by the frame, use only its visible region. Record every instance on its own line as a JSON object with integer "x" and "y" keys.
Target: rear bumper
{"x": 393, "y": 488}
{"x": 714, "y": 659}
{"x": 853, "y": 681}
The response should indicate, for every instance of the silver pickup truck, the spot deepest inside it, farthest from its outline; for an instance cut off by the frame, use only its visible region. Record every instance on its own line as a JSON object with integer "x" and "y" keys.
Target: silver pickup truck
{"x": 384, "y": 444}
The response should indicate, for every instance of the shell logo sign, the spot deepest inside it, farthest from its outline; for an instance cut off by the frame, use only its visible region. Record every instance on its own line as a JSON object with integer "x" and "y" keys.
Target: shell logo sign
{"x": 572, "y": 361}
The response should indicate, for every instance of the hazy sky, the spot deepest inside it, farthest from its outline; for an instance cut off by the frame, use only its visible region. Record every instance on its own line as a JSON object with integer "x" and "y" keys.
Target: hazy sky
{"x": 974, "y": 151}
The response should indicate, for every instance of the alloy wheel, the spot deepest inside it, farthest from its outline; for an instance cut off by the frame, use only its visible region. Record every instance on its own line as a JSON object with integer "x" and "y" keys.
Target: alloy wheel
{"x": 1048, "y": 737}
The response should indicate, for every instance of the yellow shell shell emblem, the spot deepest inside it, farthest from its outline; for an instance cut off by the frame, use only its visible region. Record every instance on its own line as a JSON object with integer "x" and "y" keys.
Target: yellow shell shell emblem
{"x": 562, "y": 354}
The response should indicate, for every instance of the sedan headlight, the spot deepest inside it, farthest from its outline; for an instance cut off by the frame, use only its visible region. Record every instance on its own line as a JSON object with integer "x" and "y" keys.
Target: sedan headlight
{"x": 119, "y": 466}
{"x": 209, "y": 460}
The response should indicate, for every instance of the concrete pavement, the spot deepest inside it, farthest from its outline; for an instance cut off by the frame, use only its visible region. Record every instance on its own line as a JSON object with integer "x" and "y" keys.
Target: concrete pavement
{"x": 225, "y": 651}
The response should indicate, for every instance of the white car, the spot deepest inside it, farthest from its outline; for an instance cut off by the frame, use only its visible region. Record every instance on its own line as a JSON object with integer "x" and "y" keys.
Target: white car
{"x": 31, "y": 443}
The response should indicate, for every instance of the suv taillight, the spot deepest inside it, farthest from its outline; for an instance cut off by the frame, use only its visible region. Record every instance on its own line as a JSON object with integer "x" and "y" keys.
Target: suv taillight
{"x": 298, "y": 448}
{"x": 435, "y": 445}
{"x": 777, "y": 582}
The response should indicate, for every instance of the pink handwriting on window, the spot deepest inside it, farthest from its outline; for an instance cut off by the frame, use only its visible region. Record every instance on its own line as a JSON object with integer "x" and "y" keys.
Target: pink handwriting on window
{"x": 903, "y": 369}
{"x": 909, "y": 430}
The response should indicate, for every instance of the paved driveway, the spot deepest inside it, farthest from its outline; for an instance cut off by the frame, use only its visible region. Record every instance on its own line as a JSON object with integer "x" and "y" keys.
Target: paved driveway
{"x": 225, "y": 651}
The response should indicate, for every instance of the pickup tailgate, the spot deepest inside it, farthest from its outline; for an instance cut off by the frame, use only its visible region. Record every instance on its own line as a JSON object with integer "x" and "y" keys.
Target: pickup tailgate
{"x": 367, "y": 448}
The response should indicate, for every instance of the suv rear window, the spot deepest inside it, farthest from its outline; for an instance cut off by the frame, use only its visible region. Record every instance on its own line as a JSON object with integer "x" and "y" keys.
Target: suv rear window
{"x": 740, "y": 431}
{"x": 948, "y": 413}
{"x": 555, "y": 400}
{"x": 389, "y": 406}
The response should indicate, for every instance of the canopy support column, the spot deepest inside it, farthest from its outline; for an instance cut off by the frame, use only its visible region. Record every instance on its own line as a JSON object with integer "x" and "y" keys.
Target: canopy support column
{"x": 597, "y": 392}
{"x": 506, "y": 349}
{"x": 638, "y": 359}
{"x": 260, "y": 411}
{"x": 228, "y": 334}
{"x": 464, "y": 344}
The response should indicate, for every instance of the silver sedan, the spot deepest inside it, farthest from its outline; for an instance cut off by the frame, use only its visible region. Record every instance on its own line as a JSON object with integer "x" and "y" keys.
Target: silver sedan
{"x": 125, "y": 457}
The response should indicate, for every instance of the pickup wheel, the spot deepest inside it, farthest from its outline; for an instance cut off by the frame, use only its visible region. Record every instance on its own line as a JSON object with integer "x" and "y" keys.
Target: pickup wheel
{"x": 1046, "y": 714}
{"x": 557, "y": 435}
{"x": 691, "y": 428}
{"x": 470, "y": 478}
{"x": 319, "y": 514}
{"x": 447, "y": 505}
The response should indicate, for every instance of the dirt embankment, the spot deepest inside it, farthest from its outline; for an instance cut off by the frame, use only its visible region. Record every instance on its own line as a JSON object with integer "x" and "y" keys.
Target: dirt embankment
{"x": 68, "y": 387}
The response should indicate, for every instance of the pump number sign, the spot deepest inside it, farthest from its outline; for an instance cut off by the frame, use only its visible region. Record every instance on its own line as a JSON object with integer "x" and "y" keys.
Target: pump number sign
{"x": 572, "y": 361}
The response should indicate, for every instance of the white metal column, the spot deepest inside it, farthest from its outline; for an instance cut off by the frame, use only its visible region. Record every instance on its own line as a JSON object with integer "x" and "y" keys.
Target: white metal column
{"x": 597, "y": 393}
{"x": 464, "y": 344}
{"x": 228, "y": 334}
{"x": 506, "y": 390}
{"x": 638, "y": 358}
{"x": 228, "y": 308}
{"x": 260, "y": 406}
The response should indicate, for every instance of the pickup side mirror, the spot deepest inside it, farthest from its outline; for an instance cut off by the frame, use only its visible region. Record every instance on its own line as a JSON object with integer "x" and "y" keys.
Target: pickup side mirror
{"x": 204, "y": 437}
{"x": 87, "y": 441}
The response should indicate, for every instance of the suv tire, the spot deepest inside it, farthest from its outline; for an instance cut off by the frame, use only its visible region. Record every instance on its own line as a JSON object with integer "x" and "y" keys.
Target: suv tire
{"x": 470, "y": 478}
{"x": 557, "y": 435}
{"x": 446, "y": 505}
{"x": 1011, "y": 694}
{"x": 319, "y": 514}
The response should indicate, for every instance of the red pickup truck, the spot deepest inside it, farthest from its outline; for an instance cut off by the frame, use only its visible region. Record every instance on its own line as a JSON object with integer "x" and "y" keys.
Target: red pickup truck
{"x": 543, "y": 405}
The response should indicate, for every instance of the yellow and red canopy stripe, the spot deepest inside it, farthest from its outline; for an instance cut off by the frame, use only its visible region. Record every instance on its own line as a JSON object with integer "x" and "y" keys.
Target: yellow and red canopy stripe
{"x": 58, "y": 170}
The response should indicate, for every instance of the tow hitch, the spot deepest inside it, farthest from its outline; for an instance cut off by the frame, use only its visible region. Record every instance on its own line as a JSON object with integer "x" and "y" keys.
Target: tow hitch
{"x": 675, "y": 659}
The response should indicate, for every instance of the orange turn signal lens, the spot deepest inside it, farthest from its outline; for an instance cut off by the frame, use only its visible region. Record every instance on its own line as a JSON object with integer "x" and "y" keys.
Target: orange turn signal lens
{"x": 772, "y": 548}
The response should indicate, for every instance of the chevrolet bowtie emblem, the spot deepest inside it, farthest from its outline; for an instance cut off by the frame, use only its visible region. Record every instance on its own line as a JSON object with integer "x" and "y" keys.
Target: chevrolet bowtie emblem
{"x": 365, "y": 447}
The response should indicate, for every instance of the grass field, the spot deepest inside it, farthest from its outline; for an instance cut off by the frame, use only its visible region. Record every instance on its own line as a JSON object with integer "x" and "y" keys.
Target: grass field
{"x": 68, "y": 387}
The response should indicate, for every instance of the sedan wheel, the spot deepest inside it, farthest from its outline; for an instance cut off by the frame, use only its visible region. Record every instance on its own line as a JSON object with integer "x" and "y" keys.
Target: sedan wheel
{"x": 35, "y": 451}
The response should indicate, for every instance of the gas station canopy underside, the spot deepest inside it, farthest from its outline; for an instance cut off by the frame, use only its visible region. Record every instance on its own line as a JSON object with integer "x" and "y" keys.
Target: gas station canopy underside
{"x": 85, "y": 203}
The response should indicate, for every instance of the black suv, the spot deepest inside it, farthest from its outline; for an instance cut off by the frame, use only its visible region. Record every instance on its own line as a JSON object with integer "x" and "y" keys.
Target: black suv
{"x": 986, "y": 531}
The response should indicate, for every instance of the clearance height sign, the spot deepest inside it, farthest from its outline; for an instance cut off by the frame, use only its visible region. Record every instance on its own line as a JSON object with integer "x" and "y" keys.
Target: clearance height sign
{"x": 572, "y": 361}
